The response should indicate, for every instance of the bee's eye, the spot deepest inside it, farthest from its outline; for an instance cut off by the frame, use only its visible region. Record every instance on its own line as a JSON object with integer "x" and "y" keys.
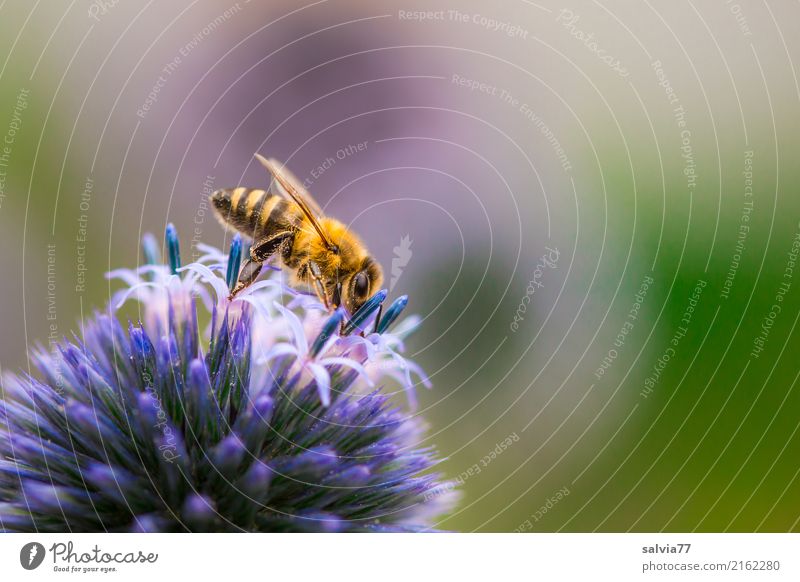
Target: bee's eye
{"x": 361, "y": 285}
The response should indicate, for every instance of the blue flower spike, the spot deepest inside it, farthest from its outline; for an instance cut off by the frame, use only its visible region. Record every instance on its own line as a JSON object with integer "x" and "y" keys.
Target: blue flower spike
{"x": 173, "y": 248}
{"x": 234, "y": 261}
{"x": 369, "y": 307}
{"x": 173, "y": 426}
{"x": 394, "y": 311}
{"x": 328, "y": 330}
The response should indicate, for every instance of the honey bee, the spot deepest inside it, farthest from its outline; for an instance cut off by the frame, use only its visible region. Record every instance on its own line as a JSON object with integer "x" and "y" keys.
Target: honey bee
{"x": 286, "y": 222}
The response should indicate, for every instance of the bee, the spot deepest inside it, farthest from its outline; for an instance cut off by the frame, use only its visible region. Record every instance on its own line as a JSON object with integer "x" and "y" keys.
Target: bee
{"x": 285, "y": 222}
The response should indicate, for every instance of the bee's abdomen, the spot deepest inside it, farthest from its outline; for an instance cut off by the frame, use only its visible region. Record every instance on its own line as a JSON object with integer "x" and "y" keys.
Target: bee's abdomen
{"x": 252, "y": 212}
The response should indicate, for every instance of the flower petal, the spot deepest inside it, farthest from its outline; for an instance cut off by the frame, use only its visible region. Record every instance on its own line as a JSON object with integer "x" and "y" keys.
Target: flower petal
{"x": 348, "y": 363}
{"x": 128, "y": 292}
{"x": 297, "y": 329}
{"x": 323, "y": 379}
{"x": 279, "y": 350}
{"x": 207, "y": 275}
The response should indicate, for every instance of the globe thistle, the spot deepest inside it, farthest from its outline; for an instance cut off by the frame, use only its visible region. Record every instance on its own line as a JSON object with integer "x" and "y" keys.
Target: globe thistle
{"x": 264, "y": 417}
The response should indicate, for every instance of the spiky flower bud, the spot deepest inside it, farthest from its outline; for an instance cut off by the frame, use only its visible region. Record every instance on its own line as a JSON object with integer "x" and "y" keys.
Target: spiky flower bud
{"x": 262, "y": 419}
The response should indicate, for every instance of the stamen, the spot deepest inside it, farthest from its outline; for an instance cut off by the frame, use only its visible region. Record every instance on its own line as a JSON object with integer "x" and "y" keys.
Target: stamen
{"x": 328, "y": 330}
{"x": 234, "y": 261}
{"x": 394, "y": 311}
{"x": 150, "y": 250}
{"x": 365, "y": 311}
{"x": 173, "y": 249}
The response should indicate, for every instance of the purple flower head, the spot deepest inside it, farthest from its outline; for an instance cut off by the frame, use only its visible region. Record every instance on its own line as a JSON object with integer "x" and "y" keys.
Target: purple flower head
{"x": 256, "y": 414}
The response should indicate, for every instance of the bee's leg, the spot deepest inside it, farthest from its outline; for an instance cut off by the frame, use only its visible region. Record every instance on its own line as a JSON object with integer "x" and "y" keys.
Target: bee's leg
{"x": 260, "y": 251}
{"x": 263, "y": 249}
{"x": 249, "y": 272}
{"x": 317, "y": 284}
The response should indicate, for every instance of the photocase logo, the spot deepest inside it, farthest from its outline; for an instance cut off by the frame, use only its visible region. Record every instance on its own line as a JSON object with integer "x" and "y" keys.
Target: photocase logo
{"x": 402, "y": 254}
{"x": 31, "y": 555}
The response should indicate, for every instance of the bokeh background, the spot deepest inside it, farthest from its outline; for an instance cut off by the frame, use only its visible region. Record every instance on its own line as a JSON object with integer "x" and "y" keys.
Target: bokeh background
{"x": 595, "y": 206}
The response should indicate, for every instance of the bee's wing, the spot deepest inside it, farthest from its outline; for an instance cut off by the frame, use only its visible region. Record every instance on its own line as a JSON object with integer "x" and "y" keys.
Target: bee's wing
{"x": 299, "y": 189}
{"x": 290, "y": 188}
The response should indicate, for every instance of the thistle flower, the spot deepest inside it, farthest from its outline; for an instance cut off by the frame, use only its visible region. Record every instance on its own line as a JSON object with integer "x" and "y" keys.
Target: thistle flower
{"x": 262, "y": 419}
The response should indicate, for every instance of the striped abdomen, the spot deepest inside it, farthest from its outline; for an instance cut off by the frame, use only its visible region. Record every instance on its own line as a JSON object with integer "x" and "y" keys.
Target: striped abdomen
{"x": 255, "y": 213}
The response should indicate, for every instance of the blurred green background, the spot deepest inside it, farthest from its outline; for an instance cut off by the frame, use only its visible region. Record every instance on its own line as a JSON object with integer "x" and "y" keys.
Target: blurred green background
{"x": 569, "y": 175}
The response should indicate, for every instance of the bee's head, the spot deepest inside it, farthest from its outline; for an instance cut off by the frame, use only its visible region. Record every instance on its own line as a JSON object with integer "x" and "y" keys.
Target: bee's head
{"x": 361, "y": 285}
